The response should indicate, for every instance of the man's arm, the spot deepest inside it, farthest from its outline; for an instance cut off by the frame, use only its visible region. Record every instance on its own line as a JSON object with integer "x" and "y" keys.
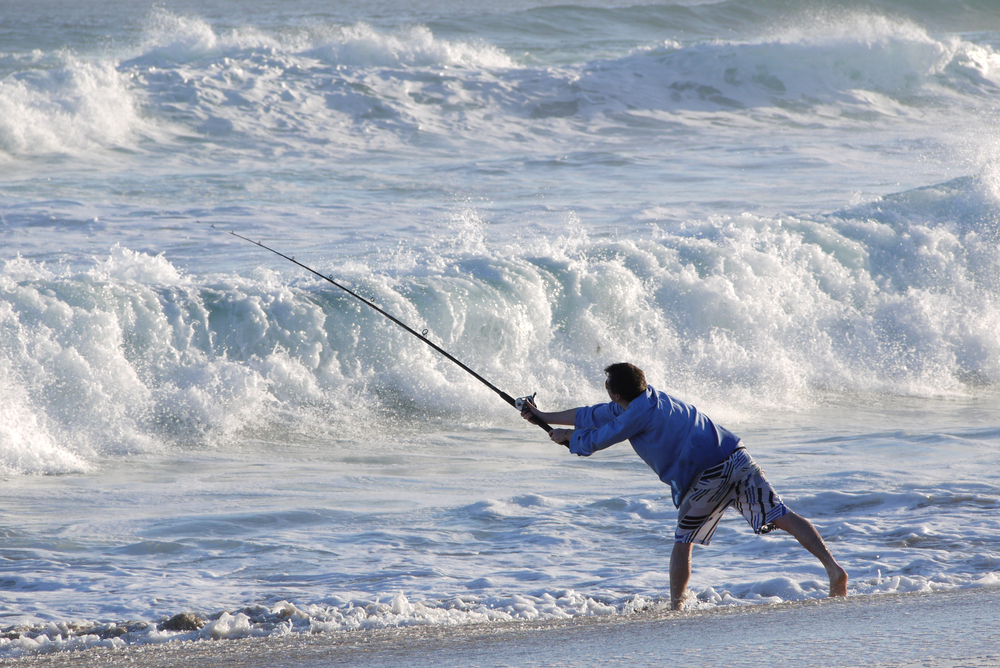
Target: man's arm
{"x": 531, "y": 413}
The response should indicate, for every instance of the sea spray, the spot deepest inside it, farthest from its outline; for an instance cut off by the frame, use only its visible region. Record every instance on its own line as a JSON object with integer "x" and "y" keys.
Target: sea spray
{"x": 761, "y": 311}
{"x": 74, "y": 107}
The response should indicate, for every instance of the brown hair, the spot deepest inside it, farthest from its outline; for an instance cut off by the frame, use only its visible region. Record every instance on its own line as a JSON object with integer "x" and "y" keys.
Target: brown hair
{"x": 626, "y": 380}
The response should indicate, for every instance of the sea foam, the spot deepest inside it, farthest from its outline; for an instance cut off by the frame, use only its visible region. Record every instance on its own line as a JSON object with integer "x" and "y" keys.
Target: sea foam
{"x": 759, "y": 311}
{"x": 73, "y": 107}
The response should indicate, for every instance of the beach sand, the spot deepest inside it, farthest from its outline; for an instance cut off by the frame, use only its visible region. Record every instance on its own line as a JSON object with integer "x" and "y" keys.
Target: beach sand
{"x": 936, "y": 630}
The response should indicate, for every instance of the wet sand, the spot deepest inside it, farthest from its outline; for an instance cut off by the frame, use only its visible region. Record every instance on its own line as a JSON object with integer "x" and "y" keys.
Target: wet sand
{"x": 934, "y": 630}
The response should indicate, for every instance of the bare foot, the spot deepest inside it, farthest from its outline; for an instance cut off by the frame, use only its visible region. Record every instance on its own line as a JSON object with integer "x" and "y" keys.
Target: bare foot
{"x": 677, "y": 603}
{"x": 838, "y": 581}
{"x": 806, "y": 534}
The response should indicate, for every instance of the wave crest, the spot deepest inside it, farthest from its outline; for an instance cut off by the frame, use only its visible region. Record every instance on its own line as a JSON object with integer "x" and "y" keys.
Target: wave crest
{"x": 70, "y": 108}
{"x": 739, "y": 313}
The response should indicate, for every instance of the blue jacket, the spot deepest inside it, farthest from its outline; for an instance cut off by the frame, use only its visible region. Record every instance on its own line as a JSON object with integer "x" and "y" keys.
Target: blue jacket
{"x": 674, "y": 438}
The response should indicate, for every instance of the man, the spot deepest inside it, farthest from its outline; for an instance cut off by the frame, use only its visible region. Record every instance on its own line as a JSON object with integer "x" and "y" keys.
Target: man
{"x": 706, "y": 466}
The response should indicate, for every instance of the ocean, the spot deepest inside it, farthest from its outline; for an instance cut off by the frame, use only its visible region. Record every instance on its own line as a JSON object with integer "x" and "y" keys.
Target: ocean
{"x": 787, "y": 213}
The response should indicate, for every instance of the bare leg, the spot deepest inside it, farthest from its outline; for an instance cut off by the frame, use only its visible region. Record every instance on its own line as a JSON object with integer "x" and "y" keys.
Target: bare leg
{"x": 680, "y": 573}
{"x": 804, "y": 532}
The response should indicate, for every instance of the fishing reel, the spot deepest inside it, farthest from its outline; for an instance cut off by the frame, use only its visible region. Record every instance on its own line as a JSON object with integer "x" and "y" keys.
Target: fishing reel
{"x": 521, "y": 401}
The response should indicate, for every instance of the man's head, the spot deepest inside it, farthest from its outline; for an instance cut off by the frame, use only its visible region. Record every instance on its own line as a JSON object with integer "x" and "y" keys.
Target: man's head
{"x": 626, "y": 380}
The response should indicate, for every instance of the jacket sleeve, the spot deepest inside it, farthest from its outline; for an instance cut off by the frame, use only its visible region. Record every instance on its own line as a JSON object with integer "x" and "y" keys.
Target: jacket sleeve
{"x": 599, "y": 427}
{"x": 592, "y": 417}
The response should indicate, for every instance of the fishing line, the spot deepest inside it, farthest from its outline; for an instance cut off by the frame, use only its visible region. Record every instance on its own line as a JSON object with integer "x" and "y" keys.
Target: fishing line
{"x": 516, "y": 403}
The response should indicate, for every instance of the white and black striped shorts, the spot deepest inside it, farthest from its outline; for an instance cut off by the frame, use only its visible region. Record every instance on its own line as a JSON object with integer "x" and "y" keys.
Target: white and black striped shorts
{"x": 737, "y": 482}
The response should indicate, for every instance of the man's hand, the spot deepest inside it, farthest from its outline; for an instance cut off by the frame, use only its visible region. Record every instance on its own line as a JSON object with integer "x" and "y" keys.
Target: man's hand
{"x": 561, "y": 436}
{"x": 529, "y": 412}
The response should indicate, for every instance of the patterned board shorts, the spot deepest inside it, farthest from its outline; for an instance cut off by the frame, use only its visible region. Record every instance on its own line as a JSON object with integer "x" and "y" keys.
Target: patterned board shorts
{"x": 736, "y": 482}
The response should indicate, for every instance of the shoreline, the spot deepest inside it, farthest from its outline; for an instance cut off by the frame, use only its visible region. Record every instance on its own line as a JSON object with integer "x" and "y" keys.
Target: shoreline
{"x": 928, "y": 629}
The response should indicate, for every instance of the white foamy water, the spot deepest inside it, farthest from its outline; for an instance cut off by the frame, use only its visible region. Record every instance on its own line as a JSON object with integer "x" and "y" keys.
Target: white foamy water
{"x": 787, "y": 217}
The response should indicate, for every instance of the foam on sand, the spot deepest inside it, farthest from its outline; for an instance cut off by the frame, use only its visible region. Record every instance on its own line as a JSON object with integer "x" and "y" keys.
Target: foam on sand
{"x": 941, "y": 629}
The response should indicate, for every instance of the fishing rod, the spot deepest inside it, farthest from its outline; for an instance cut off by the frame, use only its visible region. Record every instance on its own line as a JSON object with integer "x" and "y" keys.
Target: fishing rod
{"x": 516, "y": 403}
